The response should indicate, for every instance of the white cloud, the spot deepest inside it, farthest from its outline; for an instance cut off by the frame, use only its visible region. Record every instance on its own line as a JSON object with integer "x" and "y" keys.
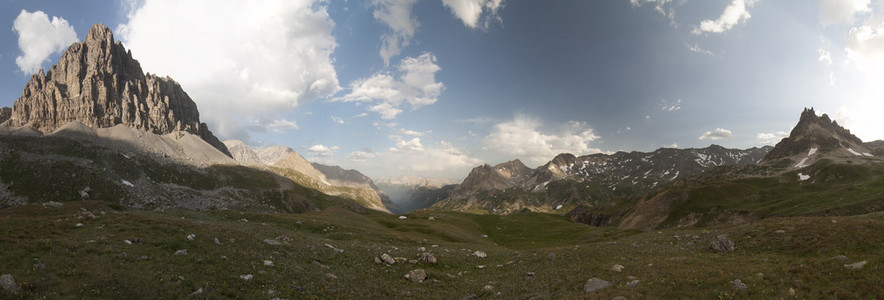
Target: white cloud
{"x": 281, "y": 125}
{"x": 412, "y": 132}
{"x": 241, "y": 61}
{"x": 697, "y": 49}
{"x": 825, "y": 57}
{"x": 664, "y": 7}
{"x": 363, "y": 155}
{"x": 522, "y": 138}
{"x": 412, "y": 145}
{"x": 442, "y": 160}
{"x": 671, "y": 105}
{"x": 717, "y": 134}
{"x": 771, "y": 138}
{"x": 841, "y": 11}
{"x": 733, "y": 14}
{"x": 38, "y": 38}
{"x": 396, "y": 14}
{"x": 338, "y": 120}
{"x": 674, "y": 145}
{"x": 415, "y": 87}
{"x": 321, "y": 150}
{"x": 470, "y": 11}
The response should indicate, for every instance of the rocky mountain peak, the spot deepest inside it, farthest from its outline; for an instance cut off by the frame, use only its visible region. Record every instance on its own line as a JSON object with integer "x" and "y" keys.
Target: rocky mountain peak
{"x": 98, "y": 83}
{"x": 815, "y": 132}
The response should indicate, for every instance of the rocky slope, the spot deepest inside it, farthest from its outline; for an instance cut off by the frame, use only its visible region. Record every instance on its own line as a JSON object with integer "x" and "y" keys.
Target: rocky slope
{"x": 815, "y": 138}
{"x": 98, "y": 83}
{"x": 568, "y": 181}
{"x": 820, "y": 169}
{"x": 330, "y": 180}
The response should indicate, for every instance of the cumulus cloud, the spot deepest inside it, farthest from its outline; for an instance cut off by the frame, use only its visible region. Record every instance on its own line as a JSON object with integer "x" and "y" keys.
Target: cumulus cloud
{"x": 404, "y": 131}
{"x": 412, "y": 145}
{"x": 771, "y": 138}
{"x": 338, "y": 120}
{"x": 38, "y": 37}
{"x": 321, "y": 150}
{"x": 522, "y": 138}
{"x": 415, "y": 87}
{"x": 243, "y": 61}
{"x": 717, "y": 134}
{"x": 396, "y": 14}
{"x": 841, "y": 11}
{"x": 441, "y": 159}
{"x": 471, "y": 11}
{"x": 733, "y": 14}
{"x": 697, "y": 49}
{"x": 282, "y": 125}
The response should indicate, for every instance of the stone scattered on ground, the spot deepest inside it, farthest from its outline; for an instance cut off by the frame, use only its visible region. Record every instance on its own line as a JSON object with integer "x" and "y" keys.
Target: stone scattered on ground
{"x": 319, "y": 264}
{"x": 217, "y": 241}
{"x": 480, "y": 254}
{"x": 268, "y": 263}
{"x": 330, "y": 276}
{"x": 531, "y": 274}
{"x": 377, "y": 260}
{"x": 191, "y": 237}
{"x": 739, "y": 284}
{"x": 79, "y": 225}
{"x": 431, "y": 218}
{"x": 388, "y": 259}
{"x": 402, "y": 217}
{"x": 427, "y": 257}
{"x": 470, "y": 297}
{"x": 52, "y": 204}
{"x": 246, "y": 277}
{"x": 338, "y": 250}
{"x": 181, "y": 252}
{"x": 400, "y": 259}
{"x": 197, "y": 292}
{"x": 272, "y": 242}
{"x": 856, "y": 265}
{"x": 617, "y": 268}
{"x": 633, "y": 283}
{"x": 722, "y": 244}
{"x": 127, "y": 242}
{"x": 619, "y": 298}
{"x": 421, "y": 249}
{"x": 8, "y": 283}
{"x": 595, "y": 284}
{"x": 488, "y": 288}
{"x": 417, "y": 275}
{"x": 839, "y": 257}
{"x": 552, "y": 256}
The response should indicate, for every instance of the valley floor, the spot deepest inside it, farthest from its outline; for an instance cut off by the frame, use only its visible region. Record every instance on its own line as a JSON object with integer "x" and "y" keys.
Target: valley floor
{"x": 85, "y": 249}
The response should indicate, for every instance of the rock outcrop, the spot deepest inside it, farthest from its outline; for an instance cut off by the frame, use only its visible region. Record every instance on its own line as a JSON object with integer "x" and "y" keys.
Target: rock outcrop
{"x": 815, "y": 132}
{"x": 98, "y": 83}
{"x": 5, "y": 113}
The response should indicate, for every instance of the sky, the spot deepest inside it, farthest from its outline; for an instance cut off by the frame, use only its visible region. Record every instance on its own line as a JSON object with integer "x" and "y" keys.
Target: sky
{"x": 433, "y": 88}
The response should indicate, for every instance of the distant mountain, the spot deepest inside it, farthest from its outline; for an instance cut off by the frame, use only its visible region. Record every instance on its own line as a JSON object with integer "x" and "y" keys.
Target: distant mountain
{"x": 820, "y": 169}
{"x": 98, "y": 83}
{"x": 568, "y": 181}
{"x": 408, "y": 193}
{"x": 817, "y": 137}
{"x": 331, "y": 180}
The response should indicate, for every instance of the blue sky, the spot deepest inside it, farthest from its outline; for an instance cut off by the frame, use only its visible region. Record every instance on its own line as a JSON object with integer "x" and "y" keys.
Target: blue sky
{"x": 435, "y": 87}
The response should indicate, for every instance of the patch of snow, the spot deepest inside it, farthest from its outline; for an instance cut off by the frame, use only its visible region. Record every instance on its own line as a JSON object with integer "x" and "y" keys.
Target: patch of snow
{"x": 812, "y": 151}
{"x": 676, "y": 175}
{"x": 402, "y": 217}
{"x": 854, "y": 152}
{"x": 867, "y": 154}
{"x": 803, "y": 177}
{"x": 559, "y": 207}
{"x": 129, "y": 184}
{"x": 801, "y": 163}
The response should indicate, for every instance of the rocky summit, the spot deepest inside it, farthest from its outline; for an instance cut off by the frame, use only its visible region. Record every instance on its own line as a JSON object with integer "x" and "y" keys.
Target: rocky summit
{"x": 816, "y": 132}
{"x": 98, "y": 83}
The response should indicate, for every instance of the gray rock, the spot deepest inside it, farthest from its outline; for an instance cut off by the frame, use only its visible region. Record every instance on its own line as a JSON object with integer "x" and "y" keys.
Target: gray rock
{"x": 470, "y": 297}
{"x": 595, "y": 284}
{"x": 330, "y": 276}
{"x": 272, "y": 242}
{"x": 722, "y": 244}
{"x": 856, "y": 265}
{"x": 739, "y": 284}
{"x": 427, "y": 257}
{"x": 246, "y": 277}
{"x": 839, "y": 257}
{"x": 181, "y": 252}
{"x": 52, "y": 204}
{"x": 377, "y": 260}
{"x": 617, "y": 268}
{"x": 488, "y": 288}
{"x": 633, "y": 283}
{"x": 421, "y": 249}
{"x": 480, "y": 254}
{"x": 8, "y": 283}
{"x": 388, "y": 259}
{"x": 417, "y": 275}
{"x": 99, "y": 74}
{"x": 217, "y": 241}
